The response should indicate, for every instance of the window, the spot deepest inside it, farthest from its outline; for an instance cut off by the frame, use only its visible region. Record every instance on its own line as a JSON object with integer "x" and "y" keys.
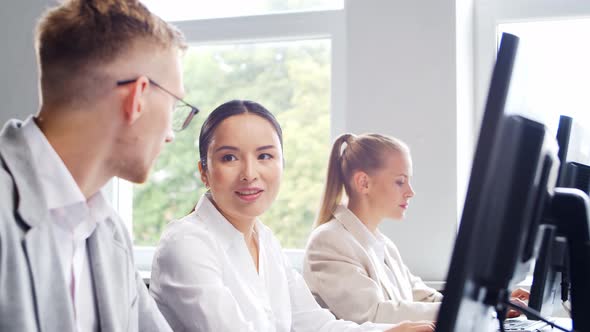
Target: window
{"x": 286, "y": 63}
{"x": 553, "y": 67}
{"x": 557, "y": 23}
{"x": 553, "y": 71}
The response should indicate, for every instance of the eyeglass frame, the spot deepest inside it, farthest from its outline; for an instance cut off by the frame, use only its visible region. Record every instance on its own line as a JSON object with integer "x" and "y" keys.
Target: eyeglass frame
{"x": 194, "y": 110}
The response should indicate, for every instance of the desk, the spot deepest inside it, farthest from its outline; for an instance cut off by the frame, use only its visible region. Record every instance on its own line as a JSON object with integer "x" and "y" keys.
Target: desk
{"x": 563, "y": 322}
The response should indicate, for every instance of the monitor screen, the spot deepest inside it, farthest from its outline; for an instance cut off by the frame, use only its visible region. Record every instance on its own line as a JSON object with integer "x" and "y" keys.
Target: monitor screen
{"x": 574, "y": 154}
{"x": 550, "y": 272}
{"x": 514, "y": 170}
{"x": 570, "y": 209}
{"x": 551, "y": 276}
{"x": 564, "y": 259}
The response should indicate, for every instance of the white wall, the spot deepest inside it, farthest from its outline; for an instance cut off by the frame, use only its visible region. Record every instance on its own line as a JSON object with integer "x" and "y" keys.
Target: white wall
{"x": 18, "y": 71}
{"x": 403, "y": 80}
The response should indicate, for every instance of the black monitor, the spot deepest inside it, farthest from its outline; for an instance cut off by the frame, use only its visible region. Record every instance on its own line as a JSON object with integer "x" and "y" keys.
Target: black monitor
{"x": 577, "y": 175}
{"x": 570, "y": 208}
{"x": 574, "y": 154}
{"x": 565, "y": 249}
{"x": 551, "y": 273}
{"x": 513, "y": 174}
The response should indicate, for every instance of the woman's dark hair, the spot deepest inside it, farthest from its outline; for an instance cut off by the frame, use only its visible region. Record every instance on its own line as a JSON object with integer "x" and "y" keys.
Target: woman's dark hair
{"x": 226, "y": 110}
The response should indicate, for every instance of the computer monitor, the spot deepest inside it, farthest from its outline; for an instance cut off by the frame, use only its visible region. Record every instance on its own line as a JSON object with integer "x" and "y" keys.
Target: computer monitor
{"x": 577, "y": 175}
{"x": 569, "y": 213}
{"x": 551, "y": 273}
{"x": 513, "y": 174}
{"x": 570, "y": 208}
{"x": 574, "y": 154}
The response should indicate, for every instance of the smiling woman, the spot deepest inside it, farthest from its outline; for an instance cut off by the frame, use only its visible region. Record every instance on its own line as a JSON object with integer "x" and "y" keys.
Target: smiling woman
{"x": 243, "y": 179}
{"x": 291, "y": 78}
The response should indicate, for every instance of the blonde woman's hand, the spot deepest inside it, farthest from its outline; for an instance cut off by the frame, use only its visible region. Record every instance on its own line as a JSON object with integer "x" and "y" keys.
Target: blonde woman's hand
{"x": 417, "y": 326}
{"x": 521, "y": 294}
{"x": 521, "y": 297}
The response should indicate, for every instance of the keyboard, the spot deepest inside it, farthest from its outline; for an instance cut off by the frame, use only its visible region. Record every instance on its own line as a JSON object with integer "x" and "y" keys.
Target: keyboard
{"x": 523, "y": 325}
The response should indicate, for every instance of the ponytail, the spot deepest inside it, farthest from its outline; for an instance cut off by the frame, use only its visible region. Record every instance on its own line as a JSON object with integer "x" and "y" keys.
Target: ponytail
{"x": 334, "y": 181}
{"x": 365, "y": 152}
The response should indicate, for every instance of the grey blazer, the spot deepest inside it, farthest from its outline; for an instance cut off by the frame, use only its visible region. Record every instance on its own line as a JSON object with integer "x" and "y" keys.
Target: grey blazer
{"x": 33, "y": 295}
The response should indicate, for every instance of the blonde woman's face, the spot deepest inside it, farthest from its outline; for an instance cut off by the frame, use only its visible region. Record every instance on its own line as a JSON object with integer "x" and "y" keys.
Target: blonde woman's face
{"x": 244, "y": 166}
{"x": 391, "y": 191}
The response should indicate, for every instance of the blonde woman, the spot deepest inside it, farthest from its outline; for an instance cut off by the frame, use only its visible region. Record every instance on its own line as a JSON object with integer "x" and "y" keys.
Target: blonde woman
{"x": 351, "y": 267}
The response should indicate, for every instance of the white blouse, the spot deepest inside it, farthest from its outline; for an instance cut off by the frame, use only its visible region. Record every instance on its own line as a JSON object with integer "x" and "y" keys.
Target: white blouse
{"x": 204, "y": 279}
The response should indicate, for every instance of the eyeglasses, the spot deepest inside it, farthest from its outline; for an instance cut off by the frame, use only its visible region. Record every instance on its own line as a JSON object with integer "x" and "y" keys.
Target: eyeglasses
{"x": 183, "y": 112}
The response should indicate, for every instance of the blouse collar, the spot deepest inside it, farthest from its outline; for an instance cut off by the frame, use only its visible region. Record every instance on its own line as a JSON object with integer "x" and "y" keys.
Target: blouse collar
{"x": 223, "y": 230}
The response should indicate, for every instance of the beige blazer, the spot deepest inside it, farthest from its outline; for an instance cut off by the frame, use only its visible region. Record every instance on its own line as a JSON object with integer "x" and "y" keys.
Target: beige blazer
{"x": 343, "y": 269}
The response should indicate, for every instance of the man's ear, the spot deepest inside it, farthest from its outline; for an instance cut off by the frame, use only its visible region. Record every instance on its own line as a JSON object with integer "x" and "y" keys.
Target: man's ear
{"x": 203, "y": 173}
{"x": 361, "y": 182}
{"x": 134, "y": 103}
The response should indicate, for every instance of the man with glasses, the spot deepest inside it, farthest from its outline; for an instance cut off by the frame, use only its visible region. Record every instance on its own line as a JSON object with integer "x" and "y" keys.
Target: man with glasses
{"x": 183, "y": 112}
{"x": 66, "y": 261}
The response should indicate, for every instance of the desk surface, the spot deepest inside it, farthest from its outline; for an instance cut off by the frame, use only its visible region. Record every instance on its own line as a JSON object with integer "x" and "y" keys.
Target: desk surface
{"x": 566, "y": 323}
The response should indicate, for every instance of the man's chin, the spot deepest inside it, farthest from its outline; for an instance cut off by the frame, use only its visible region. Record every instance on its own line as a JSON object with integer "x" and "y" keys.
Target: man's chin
{"x": 136, "y": 178}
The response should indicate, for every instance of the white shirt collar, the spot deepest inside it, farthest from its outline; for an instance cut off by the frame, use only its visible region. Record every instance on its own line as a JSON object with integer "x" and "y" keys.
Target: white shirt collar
{"x": 64, "y": 198}
{"x": 360, "y": 231}
{"x": 219, "y": 225}
{"x": 58, "y": 185}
